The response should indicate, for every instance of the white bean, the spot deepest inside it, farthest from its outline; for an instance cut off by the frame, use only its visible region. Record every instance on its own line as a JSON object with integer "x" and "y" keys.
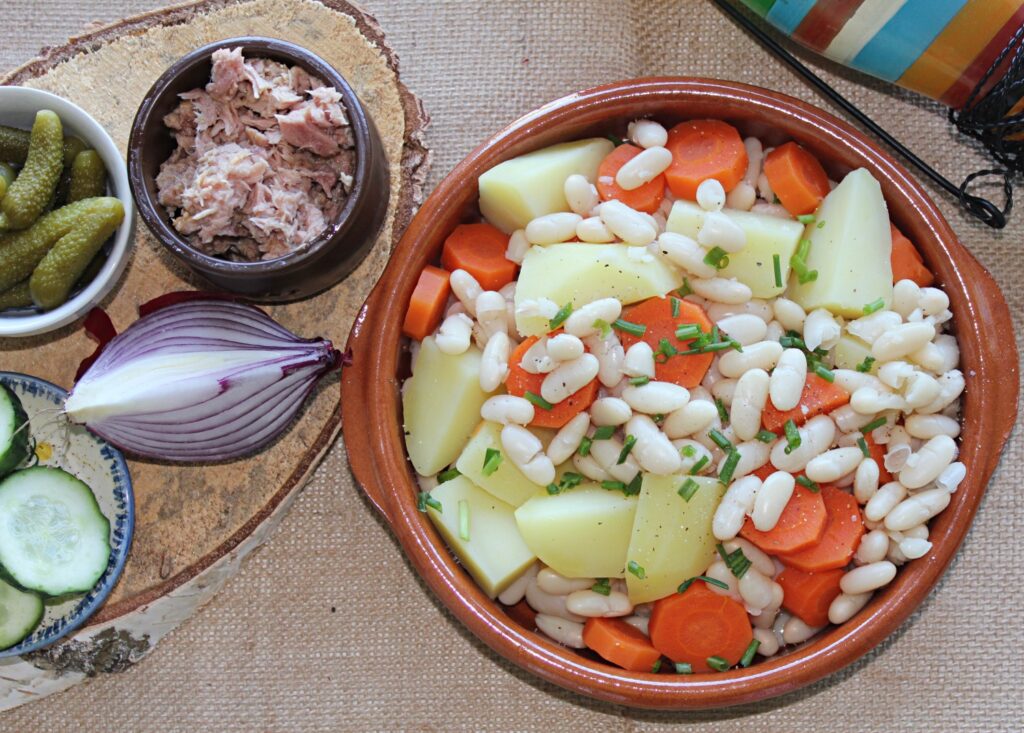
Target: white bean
{"x": 883, "y": 501}
{"x": 921, "y": 390}
{"x": 506, "y": 409}
{"x": 565, "y": 347}
{"x": 466, "y": 289}
{"x": 917, "y": 509}
{"x": 710, "y": 195}
{"x": 610, "y": 411}
{"x": 643, "y": 168}
{"x": 548, "y": 604}
{"x": 628, "y": 225}
{"x": 518, "y": 246}
{"x": 821, "y": 329}
{"x": 851, "y": 380}
{"x": 913, "y": 547}
{"x": 736, "y": 503}
{"x": 755, "y": 307}
{"x": 647, "y": 133}
{"x": 568, "y": 378}
{"x": 656, "y": 398}
{"x": 753, "y": 455}
{"x": 951, "y": 477}
{"x": 748, "y": 402}
{"x": 771, "y": 500}
{"x": 607, "y": 452}
{"x": 590, "y": 468}
{"x": 894, "y": 373}
{"x": 949, "y": 351}
{"x": 847, "y": 419}
{"x": 787, "y": 379}
{"x": 796, "y": 631}
{"x": 902, "y": 340}
{"x": 744, "y": 327}
{"x": 641, "y": 623}
{"x": 761, "y": 561}
{"x": 865, "y": 480}
{"x": 755, "y": 156}
{"x": 559, "y": 585}
{"x": 539, "y": 470}
{"x": 755, "y": 589}
{"x": 595, "y": 605}
{"x": 766, "y": 618}
{"x": 720, "y": 572}
{"x": 580, "y": 194}
{"x": 494, "y": 362}
{"x": 906, "y": 294}
{"x": 952, "y": 383}
{"x": 593, "y": 231}
{"x": 699, "y": 452}
{"x": 610, "y": 357}
{"x": 872, "y": 548}
{"x": 768, "y": 645}
{"x": 722, "y": 290}
{"x": 932, "y": 301}
{"x": 639, "y": 360}
{"x": 453, "y": 337}
{"x": 790, "y": 314}
{"x": 929, "y": 357}
{"x": 552, "y": 228}
{"x": 492, "y": 313}
{"x": 845, "y": 606}
{"x": 774, "y": 332}
{"x": 652, "y": 450}
{"x": 517, "y": 590}
{"x": 568, "y": 439}
{"x": 763, "y": 355}
{"x": 566, "y": 633}
{"x": 692, "y": 418}
{"x": 832, "y": 464}
{"x": 537, "y": 308}
{"x": 742, "y": 197}
{"x": 815, "y": 438}
{"x": 536, "y": 359}
{"x": 723, "y": 390}
{"x": 869, "y": 328}
{"x": 685, "y": 253}
{"x": 519, "y": 443}
{"x": 868, "y": 577}
{"x": 580, "y": 322}
{"x": 931, "y": 460}
{"x": 718, "y": 229}
{"x": 869, "y": 400}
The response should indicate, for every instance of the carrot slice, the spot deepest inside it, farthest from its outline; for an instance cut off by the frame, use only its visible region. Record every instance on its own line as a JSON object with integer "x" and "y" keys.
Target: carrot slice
{"x": 808, "y": 595}
{"x": 843, "y": 530}
{"x": 479, "y": 249}
{"x": 907, "y": 263}
{"x": 620, "y": 643}
{"x": 426, "y": 306}
{"x": 520, "y": 381}
{"x": 796, "y": 177}
{"x": 656, "y": 315}
{"x": 878, "y": 454}
{"x": 801, "y": 525}
{"x": 819, "y": 396}
{"x": 644, "y": 198}
{"x": 703, "y": 149}
{"x": 692, "y": 626}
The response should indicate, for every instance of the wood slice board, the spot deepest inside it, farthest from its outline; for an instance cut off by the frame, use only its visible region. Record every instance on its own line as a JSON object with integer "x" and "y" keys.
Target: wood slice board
{"x": 194, "y": 524}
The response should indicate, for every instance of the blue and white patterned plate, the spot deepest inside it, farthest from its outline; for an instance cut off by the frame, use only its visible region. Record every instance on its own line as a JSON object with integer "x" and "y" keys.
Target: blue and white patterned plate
{"x": 103, "y": 468}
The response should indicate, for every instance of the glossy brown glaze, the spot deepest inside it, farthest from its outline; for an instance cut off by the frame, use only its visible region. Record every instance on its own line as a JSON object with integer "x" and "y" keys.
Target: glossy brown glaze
{"x": 317, "y": 265}
{"x": 371, "y": 410}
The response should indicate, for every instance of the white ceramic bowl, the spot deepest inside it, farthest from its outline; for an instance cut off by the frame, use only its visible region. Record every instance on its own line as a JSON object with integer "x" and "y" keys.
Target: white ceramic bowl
{"x": 18, "y": 107}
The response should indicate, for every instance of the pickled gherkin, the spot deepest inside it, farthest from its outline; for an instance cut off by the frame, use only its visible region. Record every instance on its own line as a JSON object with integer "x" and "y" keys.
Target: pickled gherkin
{"x": 32, "y": 190}
{"x": 21, "y": 252}
{"x": 14, "y": 146}
{"x": 16, "y": 297}
{"x": 88, "y": 177}
{"x": 54, "y": 277}
{"x": 7, "y": 173}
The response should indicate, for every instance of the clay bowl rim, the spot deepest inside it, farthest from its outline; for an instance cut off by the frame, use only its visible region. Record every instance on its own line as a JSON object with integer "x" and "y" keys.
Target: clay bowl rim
{"x": 371, "y": 401}
{"x": 146, "y": 124}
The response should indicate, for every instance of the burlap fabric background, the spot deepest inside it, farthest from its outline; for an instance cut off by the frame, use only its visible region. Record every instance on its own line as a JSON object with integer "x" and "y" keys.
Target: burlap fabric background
{"x": 328, "y": 629}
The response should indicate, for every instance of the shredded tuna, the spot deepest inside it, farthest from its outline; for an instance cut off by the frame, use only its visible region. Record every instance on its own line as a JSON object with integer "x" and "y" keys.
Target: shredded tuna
{"x": 264, "y": 160}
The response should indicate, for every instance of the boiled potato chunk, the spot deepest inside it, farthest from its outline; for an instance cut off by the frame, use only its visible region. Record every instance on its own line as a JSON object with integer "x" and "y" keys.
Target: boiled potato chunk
{"x": 582, "y": 273}
{"x": 494, "y": 554}
{"x": 441, "y": 406}
{"x": 850, "y": 351}
{"x": 766, "y": 236}
{"x": 851, "y": 251}
{"x": 507, "y": 483}
{"x": 672, "y": 538}
{"x": 518, "y": 190}
{"x": 581, "y": 533}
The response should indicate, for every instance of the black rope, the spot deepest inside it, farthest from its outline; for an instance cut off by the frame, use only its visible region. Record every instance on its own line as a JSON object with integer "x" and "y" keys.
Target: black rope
{"x": 977, "y": 206}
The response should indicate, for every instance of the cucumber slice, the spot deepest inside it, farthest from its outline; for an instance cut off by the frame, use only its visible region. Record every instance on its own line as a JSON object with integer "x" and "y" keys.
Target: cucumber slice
{"x": 53, "y": 537}
{"x": 20, "y": 614}
{"x": 13, "y": 442}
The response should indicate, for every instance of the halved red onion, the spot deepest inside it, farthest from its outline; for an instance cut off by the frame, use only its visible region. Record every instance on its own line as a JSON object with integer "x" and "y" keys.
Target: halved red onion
{"x": 198, "y": 381}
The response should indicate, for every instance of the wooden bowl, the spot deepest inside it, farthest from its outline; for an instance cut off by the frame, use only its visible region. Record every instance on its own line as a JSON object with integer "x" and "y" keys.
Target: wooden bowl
{"x": 371, "y": 407}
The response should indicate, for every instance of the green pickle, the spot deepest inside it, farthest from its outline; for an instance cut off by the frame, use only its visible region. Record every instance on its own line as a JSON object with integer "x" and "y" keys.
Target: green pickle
{"x": 7, "y": 176}
{"x": 20, "y": 252}
{"x": 32, "y": 190}
{"x": 16, "y": 297}
{"x": 14, "y": 145}
{"x": 61, "y": 267}
{"x": 88, "y": 177}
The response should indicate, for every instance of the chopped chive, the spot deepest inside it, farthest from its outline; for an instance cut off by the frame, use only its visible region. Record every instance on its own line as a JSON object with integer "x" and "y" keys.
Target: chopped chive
{"x": 492, "y": 459}
{"x": 604, "y": 327}
{"x": 777, "y": 263}
{"x": 729, "y": 467}
{"x": 688, "y": 489}
{"x": 639, "y": 381}
{"x": 538, "y": 401}
{"x": 717, "y": 258}
{"x": 616, "y": 141}
{"x": 564, "y": 312}
{"x": 604, "y": 432}
{"x": 806, "y": 218}
{"x": 449, "y": 474}
{"x": 803, "y": 249}
{"x": 865, "y": 366}
{"x": 695, "y": 469}
{"x": 584, "y": 449}
{"x": 570, "y": 480}
{"x": 748, "y": 655}
{"x": 684, "y": 668}
{"x": 874, "y": 305}
{"x": 602, "y": 586}
{"x": 688, "y": 451}
{"x": 634, "y": 486}
{"x": 685, "y": 288}
{"x": 792, "y": 341}
{"x": 636, "y": 569}
{"x": 776, "y": 200}
{"x": 710, "y": 581}
{"x": 715, "y": 337}
{"x": 720, "y": 346}
{"x": 687, "y": 331}
{"x": 633, "y": 329}
{"x": 627, "y": 447}
{"x": 613, "y": 486}
{"x": 766, "y": 436}
{"x": 425, "y": 500}
{"x": 820, "y": 224}
{"x": 792, "y": 436}
{"x": 722, "y": 412}
{"x": 675, "y": 307}
{"x": 824, "y": 372}
{"x": 737, "y": 562}
{"x": 464, "y": 520}
{"x": 720, "y": 440}
{"x": 874, "y": 424}
{"x": 807, "y": 277}
{"x": 656, "y": 666}
{"x": 808, "y": 484}
{"x": 718, "y": 664}
{"x": 863, "y": 445}
{"x": 658, "y": 418}
{"x": 553, "y": 489}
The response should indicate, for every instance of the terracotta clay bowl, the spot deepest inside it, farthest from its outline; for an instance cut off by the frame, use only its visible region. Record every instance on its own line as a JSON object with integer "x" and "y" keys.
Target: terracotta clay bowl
{"x": 316, "y": 265}
{"x": 371, "y": 406}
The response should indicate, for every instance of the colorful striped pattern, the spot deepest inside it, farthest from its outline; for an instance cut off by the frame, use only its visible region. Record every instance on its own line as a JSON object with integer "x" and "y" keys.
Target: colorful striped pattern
{"x": 940, "y": 48}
